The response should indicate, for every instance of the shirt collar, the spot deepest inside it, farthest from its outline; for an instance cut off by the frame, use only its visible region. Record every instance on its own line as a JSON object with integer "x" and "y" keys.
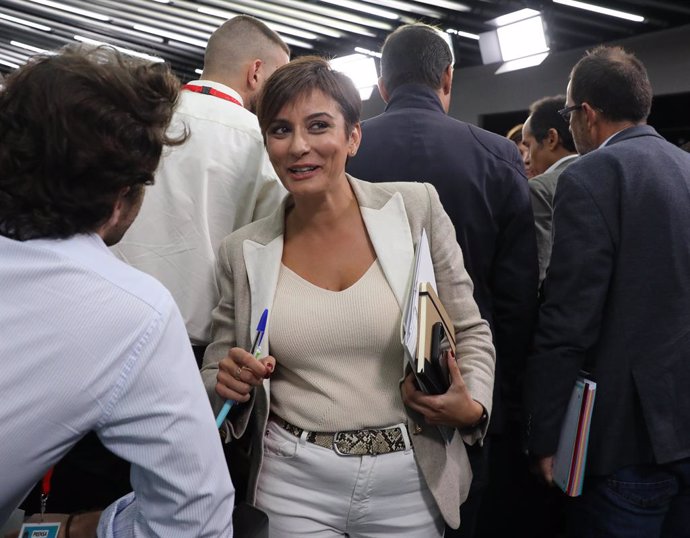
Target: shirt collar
{"x": 559, "y": 161}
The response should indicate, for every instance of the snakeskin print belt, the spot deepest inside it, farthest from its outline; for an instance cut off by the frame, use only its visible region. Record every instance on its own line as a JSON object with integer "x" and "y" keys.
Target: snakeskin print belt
{"x": 357, "y": 442}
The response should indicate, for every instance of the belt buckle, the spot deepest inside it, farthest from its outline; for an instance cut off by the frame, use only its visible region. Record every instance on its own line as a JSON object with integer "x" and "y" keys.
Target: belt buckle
{"x": 336, "y": 439}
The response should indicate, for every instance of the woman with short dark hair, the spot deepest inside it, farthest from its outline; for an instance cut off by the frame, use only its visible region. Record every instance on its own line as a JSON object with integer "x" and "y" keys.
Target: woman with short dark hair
{"x": 341, "y": 447}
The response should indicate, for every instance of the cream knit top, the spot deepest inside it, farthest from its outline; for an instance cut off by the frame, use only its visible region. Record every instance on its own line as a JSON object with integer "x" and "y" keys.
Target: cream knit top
{"x": 339, "y": 355}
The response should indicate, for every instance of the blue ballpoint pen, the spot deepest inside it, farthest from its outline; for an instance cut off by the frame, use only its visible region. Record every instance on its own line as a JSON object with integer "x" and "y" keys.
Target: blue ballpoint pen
{"x": 256, "y": 351}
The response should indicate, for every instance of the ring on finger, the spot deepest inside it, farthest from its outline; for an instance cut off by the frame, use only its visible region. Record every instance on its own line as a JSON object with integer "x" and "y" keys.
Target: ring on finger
{"x": 237, "y": 373}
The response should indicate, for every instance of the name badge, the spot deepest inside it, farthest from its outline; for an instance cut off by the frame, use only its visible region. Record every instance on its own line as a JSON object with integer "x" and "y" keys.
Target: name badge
{"x": 39, "y": 530}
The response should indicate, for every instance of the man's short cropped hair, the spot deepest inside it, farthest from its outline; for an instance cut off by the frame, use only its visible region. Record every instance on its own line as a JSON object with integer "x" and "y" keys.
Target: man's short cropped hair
{"x": 299, "y": 79}
{"x": 76, "y": 129}
{"x": 613, "y": 81}
{"x": 414, "y": 53}
{"x": 237, "y": 38}
{"x": 544, "y": 116}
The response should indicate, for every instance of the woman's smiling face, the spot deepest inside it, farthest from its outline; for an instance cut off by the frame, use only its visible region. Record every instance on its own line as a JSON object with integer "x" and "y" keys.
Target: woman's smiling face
{"x": 308, "y": 144}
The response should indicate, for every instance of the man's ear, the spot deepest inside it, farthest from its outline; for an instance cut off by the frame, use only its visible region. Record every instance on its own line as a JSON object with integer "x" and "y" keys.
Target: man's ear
{"x": 118, "y": 207}
{"x": 253, "y": 76}
{"x": 552, "y": 139}
{"x": 382, "y": 90}
{"x": 591, "y": 114}
{"x": 447, "y": 80}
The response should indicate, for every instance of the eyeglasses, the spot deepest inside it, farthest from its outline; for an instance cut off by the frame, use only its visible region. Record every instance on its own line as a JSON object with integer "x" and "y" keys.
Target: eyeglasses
{"x": 565, "y": 112}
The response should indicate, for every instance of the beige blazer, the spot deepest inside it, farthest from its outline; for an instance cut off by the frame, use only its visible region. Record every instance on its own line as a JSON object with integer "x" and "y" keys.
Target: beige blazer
{"x": 394, "y": 215}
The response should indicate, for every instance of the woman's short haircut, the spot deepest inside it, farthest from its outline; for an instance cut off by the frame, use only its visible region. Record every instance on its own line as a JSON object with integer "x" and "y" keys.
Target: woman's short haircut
{"x": 414, "y": 53}
{"x": 300, "y": 78}
{"x": 613, "y": 81}
{"x": 76, "y": 128}
{"x": 544, "y": 116}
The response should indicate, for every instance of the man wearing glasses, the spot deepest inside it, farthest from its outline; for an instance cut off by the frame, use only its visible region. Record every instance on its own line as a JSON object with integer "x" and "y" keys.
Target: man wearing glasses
{"x": 617, "y": 304}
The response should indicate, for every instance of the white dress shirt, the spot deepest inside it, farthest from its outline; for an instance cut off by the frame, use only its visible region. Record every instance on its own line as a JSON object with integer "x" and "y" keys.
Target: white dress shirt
{"x": 89, "y": 343}
{"x": 219, "y": 180}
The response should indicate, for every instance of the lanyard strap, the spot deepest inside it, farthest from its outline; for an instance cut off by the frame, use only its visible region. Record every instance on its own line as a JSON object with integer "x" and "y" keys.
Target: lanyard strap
{"x": 207, "y": 90}
{"x": 45, "y": 490}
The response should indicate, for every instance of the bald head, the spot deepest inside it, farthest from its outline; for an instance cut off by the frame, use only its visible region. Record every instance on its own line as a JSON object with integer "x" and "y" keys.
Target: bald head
{"x": 242, "y": 54}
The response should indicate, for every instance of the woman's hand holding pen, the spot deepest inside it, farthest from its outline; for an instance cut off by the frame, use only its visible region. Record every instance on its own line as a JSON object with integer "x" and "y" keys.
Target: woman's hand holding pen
{"x": 455, "y": 408}
{"x": 240, "y": 372}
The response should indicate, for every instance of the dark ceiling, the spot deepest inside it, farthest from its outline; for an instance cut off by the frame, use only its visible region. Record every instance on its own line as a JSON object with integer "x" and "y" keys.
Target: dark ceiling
{"x": 176, "y": 30}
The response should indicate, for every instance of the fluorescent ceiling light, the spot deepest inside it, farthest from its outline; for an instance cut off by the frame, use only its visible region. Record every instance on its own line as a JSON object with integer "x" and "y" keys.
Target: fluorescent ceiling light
{"x": 72, "y": 9}
{"x": 462, "y": 34}
{"x": 25, "y": 22}
{"x": 171, "y": 35}
{"x": 523, "y": 38}
{"x": 332, "y": 15}
{"x": 297, "y": 14}
{"x": 282, "y": 29}
{"x": 602, "y": 10}
{"x": 296, "y": 42}
{"x": 368, "y": 52}
{"x": 515, "y": 16}
{"x": 406, "y": 6}
{"x": 361, "y": 69}
{"x": 522, "y": 63}
{"x": 123, "y": 50}
{"x": 319, "y": 29}
{"x": 365, "y": 8}
{"x": 162, "y": 1}
{"x": 31, "y": 48}
{"x": 9, "y": 64}
{"x": 275, "y": 26}
{"x": 455, "y": 6}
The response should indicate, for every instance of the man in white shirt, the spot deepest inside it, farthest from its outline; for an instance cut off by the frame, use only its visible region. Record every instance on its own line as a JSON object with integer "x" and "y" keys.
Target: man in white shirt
{"x": 551, "y": 150}
{"x": 220, "y": 180}
{"x": 89, "y": 343}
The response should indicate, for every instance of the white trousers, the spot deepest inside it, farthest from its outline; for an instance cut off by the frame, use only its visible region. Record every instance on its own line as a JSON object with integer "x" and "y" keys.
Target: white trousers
{"x": 310, "y": 491}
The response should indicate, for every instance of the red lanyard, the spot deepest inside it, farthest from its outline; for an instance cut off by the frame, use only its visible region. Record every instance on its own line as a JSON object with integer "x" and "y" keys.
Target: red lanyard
{"x": 207, "y": 90}
{"x": 45, "y": 490}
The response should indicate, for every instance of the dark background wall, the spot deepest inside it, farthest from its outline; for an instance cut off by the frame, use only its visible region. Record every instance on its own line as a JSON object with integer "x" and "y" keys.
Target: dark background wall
{"x": 497, "y": 102}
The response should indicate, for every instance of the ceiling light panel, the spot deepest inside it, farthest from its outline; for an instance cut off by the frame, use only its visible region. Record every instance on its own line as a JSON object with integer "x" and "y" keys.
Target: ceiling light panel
{"x": 268, "y": 16}
{"x": 338, "y": 14}
{"x": 201, "y": 43}
{"x": 72, "y": 9}
{"x": 602, "y": 10}
{"x": 407, "y": 7}
{"x": 364, "y": 8}
{"x": 8, "y": 63}
{"x": 123, "y": 50}
{"x": 446, "y": 4}
{"x": 460, "y": 33}
{"x": 261, "y": 9}
{"x": 24, "y": 22}
{"x": 30, "y": 48}
{"x": 275, "y": 26}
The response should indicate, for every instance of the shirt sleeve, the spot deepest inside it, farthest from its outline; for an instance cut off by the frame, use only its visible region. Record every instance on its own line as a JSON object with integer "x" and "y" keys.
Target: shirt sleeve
{"x": 159, "y": 419}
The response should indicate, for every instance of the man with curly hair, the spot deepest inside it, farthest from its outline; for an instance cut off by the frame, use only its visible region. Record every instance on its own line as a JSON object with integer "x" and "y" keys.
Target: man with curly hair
{"x": 89, "y": 343}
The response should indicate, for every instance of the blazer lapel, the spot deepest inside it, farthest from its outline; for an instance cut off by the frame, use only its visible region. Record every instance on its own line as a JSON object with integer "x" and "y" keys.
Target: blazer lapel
{"x": 389, "y": 231}
{"x": 262, "y": 259}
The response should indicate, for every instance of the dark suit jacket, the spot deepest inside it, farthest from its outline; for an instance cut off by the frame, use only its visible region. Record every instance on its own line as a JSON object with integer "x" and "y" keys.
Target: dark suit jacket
{"x": 479, "y": 178}
{"x": 617, "y": 302}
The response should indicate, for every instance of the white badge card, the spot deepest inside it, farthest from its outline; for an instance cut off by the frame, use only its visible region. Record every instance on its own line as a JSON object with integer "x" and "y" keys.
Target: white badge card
{"x": 39, "y": 530}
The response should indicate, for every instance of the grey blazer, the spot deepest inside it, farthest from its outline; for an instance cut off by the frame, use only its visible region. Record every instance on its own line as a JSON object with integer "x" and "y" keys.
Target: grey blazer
{"x": 394, "y": 213}
{"x": 542, "y": 189}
